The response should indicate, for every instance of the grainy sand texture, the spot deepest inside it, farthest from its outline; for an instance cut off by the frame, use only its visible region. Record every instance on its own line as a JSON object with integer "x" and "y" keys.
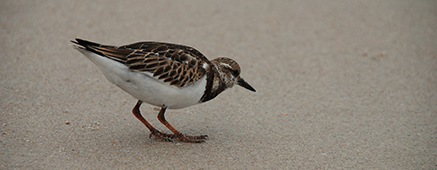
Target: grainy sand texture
{"x": 340, "y": 85}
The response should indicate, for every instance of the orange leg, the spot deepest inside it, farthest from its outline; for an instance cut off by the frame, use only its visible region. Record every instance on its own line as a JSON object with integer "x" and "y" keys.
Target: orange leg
{"x": 154, "y": 132}
{"x": 179, "y": 135}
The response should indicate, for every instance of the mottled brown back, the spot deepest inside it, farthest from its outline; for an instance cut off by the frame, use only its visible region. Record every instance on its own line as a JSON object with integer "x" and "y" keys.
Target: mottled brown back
{"x": 177, "y": 65}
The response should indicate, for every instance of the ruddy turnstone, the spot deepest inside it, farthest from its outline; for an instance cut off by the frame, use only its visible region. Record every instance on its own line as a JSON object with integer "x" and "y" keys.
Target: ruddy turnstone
{"x": 169, "y": 76}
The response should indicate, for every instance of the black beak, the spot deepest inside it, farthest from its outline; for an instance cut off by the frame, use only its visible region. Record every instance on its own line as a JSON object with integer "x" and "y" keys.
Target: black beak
{"x": 246, "y": 85}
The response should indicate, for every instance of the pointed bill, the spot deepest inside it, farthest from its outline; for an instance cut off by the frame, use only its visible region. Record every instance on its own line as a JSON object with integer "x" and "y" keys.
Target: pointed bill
{"x": 246, "y": 85}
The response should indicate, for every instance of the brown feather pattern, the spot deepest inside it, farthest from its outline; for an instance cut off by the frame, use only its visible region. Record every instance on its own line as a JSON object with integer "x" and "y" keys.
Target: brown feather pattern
{"x": 177, "y": 65}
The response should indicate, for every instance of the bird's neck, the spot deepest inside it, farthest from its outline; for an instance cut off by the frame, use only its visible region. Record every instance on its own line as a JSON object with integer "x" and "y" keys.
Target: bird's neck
{"x": 214, "y": 85}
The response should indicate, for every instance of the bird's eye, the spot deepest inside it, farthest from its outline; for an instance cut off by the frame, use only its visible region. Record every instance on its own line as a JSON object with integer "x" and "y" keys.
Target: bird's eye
{"x": 236, "y": 72}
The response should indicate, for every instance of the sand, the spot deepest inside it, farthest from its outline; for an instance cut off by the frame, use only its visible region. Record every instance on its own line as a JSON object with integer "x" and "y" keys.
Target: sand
{"x": 340, "y": 85}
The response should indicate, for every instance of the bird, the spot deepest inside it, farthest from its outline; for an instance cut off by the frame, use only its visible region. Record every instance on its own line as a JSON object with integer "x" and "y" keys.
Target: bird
{"x": 166, "y": 75}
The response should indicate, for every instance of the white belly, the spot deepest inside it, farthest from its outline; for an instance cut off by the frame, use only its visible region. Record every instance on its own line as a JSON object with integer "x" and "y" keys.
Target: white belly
{"x": 146, "y": 88}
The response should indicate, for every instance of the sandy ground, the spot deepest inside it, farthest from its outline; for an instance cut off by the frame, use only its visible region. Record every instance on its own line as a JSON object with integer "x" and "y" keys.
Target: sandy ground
{"x": 340, "y": 85}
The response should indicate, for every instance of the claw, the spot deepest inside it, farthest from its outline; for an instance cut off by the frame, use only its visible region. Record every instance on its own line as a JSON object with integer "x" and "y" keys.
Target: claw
{"x": 192, "y": 139}
{"x": 163, "y": 136}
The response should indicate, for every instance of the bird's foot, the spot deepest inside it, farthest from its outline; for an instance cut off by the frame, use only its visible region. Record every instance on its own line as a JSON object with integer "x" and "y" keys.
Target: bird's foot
{"x": 181, "y": 137}
{"x": 162, "y": 136}
{"x": 192, "y": 139}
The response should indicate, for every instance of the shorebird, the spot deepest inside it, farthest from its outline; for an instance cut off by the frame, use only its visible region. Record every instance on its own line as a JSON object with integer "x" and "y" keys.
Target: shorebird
{"x": 169, "y": 76}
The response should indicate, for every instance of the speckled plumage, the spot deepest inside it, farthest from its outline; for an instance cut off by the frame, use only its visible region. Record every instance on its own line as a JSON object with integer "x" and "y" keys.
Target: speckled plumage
{"x": 177, "y": 65}
{"x": 165, "y": 75}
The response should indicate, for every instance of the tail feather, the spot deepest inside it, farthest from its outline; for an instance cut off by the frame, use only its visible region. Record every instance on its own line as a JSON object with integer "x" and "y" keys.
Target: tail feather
{"x": 85, "y": 42}
{"x": 102, "y": 50}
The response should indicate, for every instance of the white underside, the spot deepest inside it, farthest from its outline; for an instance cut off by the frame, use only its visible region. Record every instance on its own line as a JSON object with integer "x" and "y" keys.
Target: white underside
{"x": 145, "y": 87}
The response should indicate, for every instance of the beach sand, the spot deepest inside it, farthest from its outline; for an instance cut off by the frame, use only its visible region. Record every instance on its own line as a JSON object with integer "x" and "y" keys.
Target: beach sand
{"x": 340, "y": 85}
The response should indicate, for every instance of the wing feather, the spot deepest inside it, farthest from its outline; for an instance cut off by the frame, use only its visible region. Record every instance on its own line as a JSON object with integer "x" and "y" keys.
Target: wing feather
{"x": 175, "y": 64}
